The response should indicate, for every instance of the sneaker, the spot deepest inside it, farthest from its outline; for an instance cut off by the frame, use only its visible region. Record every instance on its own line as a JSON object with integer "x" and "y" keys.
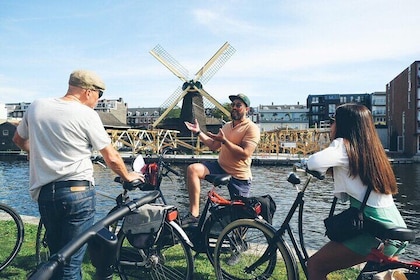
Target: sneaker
{"x": 189, "y": 219}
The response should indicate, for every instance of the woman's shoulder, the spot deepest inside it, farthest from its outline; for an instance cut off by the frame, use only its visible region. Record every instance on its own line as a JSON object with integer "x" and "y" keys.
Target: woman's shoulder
{"x": 337, "y": 141}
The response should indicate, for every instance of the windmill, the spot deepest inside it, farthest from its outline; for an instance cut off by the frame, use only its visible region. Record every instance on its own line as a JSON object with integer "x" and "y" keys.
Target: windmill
{"x": 191, "y": 92}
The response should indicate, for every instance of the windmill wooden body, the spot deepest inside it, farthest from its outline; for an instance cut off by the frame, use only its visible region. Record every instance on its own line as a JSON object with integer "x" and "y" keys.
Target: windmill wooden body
{"x": 191, "y": 92}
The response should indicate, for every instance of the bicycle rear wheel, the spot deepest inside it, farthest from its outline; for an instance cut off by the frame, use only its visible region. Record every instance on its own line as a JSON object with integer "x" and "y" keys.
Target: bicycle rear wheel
{"x": 242, "y": 252}
{"x": 169, "y": 258}
{"x": 42, "y": 253}
{"x": 11, "y": 233}
{"x": 217, "y": 221}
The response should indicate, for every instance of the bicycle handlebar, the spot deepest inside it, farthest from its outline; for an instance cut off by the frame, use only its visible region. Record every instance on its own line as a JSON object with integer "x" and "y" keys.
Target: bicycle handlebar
{"x": 316, "y": 174}
{"x": 46, "y": 270}
{"x": 128, "y": 185}
{"x": 170, "y": 169}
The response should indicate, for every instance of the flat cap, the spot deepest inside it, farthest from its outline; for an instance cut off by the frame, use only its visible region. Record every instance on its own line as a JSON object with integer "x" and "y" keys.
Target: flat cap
{"x": 86, "y": 79}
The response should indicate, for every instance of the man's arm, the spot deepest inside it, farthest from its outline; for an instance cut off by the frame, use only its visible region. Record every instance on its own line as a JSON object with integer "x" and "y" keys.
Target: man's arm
{"x": 115, "y": 162}
{"x": 212, "y": 143}
{"x": 243, "y": 151}
{"x": 20, "y": 142}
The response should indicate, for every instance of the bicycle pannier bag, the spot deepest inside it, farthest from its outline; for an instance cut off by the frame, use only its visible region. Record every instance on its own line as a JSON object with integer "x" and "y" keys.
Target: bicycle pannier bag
{"x": 144, "y": 226}
{"x": 268, "y": 207}
{"x": 150, "y": 172}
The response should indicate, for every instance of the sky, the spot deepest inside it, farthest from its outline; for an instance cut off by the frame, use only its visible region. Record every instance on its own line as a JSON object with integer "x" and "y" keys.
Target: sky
{"x": 284, "y": 50}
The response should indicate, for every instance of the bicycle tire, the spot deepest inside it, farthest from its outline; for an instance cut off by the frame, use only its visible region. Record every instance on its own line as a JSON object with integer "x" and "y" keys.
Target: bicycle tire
{"x": 217, "y": 221}
{"x": 242, "y": 243}
{"x": 161, "y": 261}
{"x": 42, "y": 253}
{"x": 12, "y": 233}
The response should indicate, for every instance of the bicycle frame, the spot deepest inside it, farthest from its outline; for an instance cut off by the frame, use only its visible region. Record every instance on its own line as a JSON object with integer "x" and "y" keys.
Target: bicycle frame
{"x": 376, "y": 262}
{"x": 195, "y": 233}
{"x": 301, "y": 251}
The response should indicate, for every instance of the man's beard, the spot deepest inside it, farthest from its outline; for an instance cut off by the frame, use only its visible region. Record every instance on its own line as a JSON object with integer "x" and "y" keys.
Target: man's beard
{"x": 235, "y": 115}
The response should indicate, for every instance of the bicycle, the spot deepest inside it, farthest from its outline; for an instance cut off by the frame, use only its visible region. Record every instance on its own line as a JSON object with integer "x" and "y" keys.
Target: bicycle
{"x": 263, "y": 253}
{"x": 216, "y": 214}
{"x": 150, "y": 261}
{"x": 104, "y": 241}
{"x": 11, "y": 234}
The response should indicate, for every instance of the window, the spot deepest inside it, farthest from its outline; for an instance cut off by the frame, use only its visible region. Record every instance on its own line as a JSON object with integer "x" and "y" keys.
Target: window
{"x": 331, "y": 109}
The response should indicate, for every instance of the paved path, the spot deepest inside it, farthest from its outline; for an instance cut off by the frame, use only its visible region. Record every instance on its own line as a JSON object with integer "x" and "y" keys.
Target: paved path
{"x": 30, "y": 219}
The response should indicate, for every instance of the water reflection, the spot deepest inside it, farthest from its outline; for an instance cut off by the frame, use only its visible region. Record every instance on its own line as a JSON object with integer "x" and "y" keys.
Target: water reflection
{"x": 267, "y": 180}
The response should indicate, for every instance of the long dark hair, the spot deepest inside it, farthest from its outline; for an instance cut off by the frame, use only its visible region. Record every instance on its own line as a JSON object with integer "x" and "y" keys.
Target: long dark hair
{"x": 367, "y": 157}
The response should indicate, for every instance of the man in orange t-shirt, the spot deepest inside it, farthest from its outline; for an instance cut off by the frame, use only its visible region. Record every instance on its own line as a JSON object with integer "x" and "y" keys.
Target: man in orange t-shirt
{"x": 237, "y": 141}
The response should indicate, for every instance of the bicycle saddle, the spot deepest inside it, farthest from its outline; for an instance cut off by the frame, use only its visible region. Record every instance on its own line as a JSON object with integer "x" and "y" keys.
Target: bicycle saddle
{"x": 398, "y": 233}
{"x": 218, "y": 179}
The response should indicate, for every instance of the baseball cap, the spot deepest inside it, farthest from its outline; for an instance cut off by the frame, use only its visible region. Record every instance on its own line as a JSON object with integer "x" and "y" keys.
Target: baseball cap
{"x": 86, "y": 79}
{"x": 242, "y": 97}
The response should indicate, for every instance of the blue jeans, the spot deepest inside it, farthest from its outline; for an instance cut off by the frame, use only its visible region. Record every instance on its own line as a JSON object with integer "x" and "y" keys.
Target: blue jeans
{"x": 66, "y": 214}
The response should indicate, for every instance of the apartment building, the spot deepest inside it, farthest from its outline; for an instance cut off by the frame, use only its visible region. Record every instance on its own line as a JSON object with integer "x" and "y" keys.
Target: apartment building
{"x": 403, "y": 111}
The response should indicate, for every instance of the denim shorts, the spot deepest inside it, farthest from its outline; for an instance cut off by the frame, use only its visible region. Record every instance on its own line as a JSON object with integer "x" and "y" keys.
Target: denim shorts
{"x": 236, "y": 187}
{"x": 66, "y": 212}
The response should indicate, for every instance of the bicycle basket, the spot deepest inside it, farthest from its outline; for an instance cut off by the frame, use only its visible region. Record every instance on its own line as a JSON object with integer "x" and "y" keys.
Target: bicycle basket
{"x": 151, "y": 180}
{"x": 144, "y": 226}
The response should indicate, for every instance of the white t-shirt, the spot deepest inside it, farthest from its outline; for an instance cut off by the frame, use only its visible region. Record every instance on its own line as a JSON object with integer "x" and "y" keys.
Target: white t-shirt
{"x": 336, "y": 156}
{"x": 61, "y": 135}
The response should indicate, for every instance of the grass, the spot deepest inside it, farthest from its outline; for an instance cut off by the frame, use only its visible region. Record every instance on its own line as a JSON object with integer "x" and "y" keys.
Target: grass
{"x": 25, "y": 262}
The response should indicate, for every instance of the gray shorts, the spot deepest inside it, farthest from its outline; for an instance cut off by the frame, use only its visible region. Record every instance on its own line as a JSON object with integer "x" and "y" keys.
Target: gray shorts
{"x": 236, "y": 187}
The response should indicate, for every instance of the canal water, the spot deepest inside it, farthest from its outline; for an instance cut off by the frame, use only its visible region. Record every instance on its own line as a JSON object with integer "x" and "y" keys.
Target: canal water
{"x": 267, "y": 180}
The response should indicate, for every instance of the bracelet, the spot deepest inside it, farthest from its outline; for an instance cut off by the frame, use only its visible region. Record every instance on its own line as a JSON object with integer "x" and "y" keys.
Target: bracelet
{"x": 198, "y": 133}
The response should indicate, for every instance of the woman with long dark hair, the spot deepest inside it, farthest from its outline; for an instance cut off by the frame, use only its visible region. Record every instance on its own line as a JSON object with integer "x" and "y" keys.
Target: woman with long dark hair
{"x": 357, "y": 160}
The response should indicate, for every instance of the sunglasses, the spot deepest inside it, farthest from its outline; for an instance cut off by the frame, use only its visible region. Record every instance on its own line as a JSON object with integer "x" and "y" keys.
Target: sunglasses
{"x": 100, "y": 92}
{"x": 237, "y": 105}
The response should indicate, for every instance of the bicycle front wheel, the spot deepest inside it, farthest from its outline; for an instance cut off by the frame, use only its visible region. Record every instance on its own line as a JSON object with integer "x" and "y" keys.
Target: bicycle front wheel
{"x": 243, "y": 252}
{"x": 169, "y": 258}
{"x": 11, "y": 232}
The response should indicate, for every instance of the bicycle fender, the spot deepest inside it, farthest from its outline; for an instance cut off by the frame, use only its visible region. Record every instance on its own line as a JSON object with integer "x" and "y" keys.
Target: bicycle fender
{"x": 261, "y": 220}
{"x": 182, "y": 233}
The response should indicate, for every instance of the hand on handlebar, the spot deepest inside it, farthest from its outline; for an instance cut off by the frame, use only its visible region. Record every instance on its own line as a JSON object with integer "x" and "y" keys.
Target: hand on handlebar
{"x": 134, "y": 179}
{"x": 134, "y": 176}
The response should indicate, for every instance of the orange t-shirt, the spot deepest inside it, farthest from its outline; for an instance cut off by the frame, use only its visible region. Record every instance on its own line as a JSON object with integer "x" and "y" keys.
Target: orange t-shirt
{"x": 245, "y": 132}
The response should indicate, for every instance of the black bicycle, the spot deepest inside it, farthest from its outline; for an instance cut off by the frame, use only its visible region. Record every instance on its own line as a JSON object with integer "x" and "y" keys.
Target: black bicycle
{"x": 11, "y": 235}
{"x": 261, "y": 251}
{"x": 137, "y": 260}
{"x": 104, "y": 242}
{"x": 216, "y": 214}
{"x": 159, "y": 252}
